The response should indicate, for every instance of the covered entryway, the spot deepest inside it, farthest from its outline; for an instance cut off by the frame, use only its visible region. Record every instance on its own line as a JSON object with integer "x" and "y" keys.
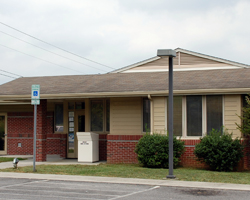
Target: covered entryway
{"x": 3, "y": 133}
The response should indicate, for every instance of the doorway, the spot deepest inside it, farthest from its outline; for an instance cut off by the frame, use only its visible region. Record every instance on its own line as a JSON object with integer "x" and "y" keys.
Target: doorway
{"x": 76, "y": 124}
{"x": 3, "y": 134}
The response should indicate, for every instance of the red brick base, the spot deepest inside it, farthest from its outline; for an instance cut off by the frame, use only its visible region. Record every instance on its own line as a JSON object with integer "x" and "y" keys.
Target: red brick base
{"x": 102, "y": 147}
{"x": 20, "y": 132}
{"x": 188, "y": 159}
{"x": 246, "y": 159}
{"x": 120, "y": 148}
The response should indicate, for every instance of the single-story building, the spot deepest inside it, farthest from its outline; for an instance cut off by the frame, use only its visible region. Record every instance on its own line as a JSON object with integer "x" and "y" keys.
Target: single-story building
{"x": 122, "y": 105}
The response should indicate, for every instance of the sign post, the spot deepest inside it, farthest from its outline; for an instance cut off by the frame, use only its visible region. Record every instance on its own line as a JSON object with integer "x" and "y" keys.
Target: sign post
{"x": 35, "y": 100}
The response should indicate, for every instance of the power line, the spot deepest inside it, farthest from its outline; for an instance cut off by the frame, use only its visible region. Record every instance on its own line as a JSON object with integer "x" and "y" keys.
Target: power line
{"x": 54, "y": 45}
{"x": 8, "y": 76}
{"x": 40, "y": 58}
{"x": 50, "y": 51}
{"x": 10, "y": 73}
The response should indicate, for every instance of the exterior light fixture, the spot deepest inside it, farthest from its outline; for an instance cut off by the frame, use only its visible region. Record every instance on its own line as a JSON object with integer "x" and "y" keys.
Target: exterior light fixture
{"x": 170, "y": 53}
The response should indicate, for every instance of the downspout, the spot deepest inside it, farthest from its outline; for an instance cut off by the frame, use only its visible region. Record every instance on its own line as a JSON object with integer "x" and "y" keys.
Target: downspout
{"x": 151, "y": 113}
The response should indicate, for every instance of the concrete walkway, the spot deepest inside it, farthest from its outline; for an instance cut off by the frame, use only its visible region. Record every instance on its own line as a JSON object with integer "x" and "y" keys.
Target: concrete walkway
{"x": 51, "y": 161}
{"x": 169, "y": 183}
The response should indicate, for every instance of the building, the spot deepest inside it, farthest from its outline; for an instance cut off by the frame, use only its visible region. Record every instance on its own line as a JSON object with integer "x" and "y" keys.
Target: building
{"x": 121, "y": 105}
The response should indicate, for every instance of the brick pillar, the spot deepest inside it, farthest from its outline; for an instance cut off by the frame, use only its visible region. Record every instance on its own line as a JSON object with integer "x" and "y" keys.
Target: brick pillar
{"x": 41, "y": 132}
{"x": 246, "y": 158}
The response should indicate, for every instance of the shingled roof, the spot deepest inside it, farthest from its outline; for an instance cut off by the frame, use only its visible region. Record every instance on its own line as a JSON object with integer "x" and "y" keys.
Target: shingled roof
{"x": 131, "y": 82}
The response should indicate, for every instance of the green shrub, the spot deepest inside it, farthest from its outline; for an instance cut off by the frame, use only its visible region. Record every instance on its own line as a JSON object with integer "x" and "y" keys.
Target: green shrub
{"x": 219, "y": 151}
{"x": 152, "y": 150}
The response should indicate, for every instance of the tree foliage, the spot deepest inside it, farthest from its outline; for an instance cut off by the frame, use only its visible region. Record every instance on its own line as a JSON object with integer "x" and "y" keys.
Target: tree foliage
{"x": 244, "y": 127}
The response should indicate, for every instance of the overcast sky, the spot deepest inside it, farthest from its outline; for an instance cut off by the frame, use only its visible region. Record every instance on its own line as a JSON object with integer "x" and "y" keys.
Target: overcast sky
{"x": 116, "y": 33}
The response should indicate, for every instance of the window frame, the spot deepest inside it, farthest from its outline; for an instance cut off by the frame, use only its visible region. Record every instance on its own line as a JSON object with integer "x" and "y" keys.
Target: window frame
{"x": 204, "y": 116}
{"x": 150, "y": 117}
{"x": 104, "y": 125}
{"x": 222, "y": 112}
{"x": 54, "y": 124}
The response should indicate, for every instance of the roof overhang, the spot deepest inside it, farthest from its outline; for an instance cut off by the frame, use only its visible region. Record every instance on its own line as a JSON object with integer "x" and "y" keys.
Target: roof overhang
{"x": 17, "y": 99}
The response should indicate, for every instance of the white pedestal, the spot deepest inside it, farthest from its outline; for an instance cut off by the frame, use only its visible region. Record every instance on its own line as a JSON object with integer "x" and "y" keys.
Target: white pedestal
{"x": 88, "y": 146}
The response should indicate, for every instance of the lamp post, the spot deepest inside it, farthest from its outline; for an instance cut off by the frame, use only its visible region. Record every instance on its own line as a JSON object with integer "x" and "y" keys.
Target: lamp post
{"x": 170, "y": 53}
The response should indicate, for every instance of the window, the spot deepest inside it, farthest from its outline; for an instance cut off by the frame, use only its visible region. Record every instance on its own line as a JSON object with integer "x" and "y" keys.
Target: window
{"x": 214, "y": 112}
{"x": 71, "y": 105}
{"x": 107, "y": 115}
{"x": 80, "y": 105}
{"x": 194, "y": 115}
{"x": 146, "y": 115}
{"x": 100, "y": 115}
{"x": 59, "y": 118}
{"x": 96, "y": 110}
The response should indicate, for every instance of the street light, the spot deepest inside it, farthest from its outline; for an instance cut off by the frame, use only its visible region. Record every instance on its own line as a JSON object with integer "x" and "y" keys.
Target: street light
{"x": 170, "y": 53}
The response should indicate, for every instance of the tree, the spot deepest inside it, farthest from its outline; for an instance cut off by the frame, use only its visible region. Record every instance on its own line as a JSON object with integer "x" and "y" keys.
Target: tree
{"x": 244, "y": 127}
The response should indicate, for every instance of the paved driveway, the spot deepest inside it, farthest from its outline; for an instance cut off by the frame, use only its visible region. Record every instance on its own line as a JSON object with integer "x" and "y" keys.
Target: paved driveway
{"x": 12, "y": 188}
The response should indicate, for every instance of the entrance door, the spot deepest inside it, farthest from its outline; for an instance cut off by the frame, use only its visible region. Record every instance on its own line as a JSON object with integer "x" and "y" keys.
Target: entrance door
{"x": 3, "y": 134}
{"x": 76, "y": 124}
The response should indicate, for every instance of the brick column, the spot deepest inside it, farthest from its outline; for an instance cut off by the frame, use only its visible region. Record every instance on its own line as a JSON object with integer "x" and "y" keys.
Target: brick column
{"x": 41, "y": 132}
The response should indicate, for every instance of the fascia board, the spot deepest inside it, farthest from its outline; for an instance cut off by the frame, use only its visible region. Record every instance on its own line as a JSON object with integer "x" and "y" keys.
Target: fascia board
{"x": 128, "y": 94}
{"x": 135, "y": 65}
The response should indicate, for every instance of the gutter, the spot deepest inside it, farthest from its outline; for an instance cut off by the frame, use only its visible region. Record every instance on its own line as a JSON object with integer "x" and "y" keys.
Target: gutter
{"x": 127, "y": 94}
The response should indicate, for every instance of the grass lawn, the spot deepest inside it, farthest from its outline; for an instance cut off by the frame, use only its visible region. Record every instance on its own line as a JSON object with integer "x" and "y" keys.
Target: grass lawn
{"x": 135, "y": 171}
{"x": 7, "y": 159}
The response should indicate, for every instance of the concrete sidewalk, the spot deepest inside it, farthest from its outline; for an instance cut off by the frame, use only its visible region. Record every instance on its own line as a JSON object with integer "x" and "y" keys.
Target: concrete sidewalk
{"x": 169, "y": 183}
{"x": 51, "y": 161}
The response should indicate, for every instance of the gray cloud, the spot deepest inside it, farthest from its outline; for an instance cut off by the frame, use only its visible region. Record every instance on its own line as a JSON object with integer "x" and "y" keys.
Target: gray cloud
{"x": 119, "y": 33}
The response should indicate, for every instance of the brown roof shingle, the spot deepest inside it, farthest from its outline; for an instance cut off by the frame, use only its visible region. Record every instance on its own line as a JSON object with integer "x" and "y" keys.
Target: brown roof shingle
{"x": 130, "y": 82}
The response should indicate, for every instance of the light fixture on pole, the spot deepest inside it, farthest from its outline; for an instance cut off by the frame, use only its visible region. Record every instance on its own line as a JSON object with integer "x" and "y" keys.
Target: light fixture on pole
{"x": 170, "y": 53}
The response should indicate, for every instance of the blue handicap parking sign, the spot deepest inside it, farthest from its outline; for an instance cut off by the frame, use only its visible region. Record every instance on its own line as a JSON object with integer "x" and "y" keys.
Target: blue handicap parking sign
{"x": 35, "y": 93}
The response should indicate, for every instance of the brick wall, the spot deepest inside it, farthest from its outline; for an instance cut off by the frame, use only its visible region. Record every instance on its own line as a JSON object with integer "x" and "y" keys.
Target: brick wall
{"x": 102, "y": 147}
{"x": 188, "y": 158}
{"x": 20, "y": 130}
{"x": 120, "y": 148}
{"x": 57, "y": 144}
{"x": 246, "y": 159}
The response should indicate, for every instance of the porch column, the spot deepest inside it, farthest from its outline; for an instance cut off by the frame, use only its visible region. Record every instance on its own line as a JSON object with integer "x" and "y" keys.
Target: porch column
{"x": 41, "y": 132}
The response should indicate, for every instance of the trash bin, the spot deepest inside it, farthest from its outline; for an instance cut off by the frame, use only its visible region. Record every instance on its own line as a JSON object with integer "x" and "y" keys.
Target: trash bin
{"x": 88, "y": 146}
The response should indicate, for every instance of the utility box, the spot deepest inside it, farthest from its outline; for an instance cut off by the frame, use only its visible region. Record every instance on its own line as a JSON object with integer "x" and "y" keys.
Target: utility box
{"x": 88, "y": 146}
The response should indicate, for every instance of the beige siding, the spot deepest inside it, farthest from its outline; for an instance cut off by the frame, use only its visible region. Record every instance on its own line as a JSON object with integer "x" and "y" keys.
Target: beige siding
{"x": 184, "y": 62}
{"x": 159, "y": 118}
{"x": 126, "y": 116}
{"x": 232, "y": 107}
{"x": 187, "y": 59}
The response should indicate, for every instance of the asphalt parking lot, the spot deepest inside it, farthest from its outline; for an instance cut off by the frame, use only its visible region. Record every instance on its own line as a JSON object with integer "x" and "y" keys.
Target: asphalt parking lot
{"x": 12, "y": 188}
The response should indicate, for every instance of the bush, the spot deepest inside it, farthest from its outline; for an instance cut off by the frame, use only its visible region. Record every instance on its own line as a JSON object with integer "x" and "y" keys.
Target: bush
{"x": 152, "y": 150}
{"x": 219, "y": 151}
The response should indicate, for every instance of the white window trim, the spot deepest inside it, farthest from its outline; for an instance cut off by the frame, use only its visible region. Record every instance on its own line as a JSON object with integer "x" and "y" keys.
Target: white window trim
{"x": 184, "y": 116}
{"x": 204, "y": 117}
